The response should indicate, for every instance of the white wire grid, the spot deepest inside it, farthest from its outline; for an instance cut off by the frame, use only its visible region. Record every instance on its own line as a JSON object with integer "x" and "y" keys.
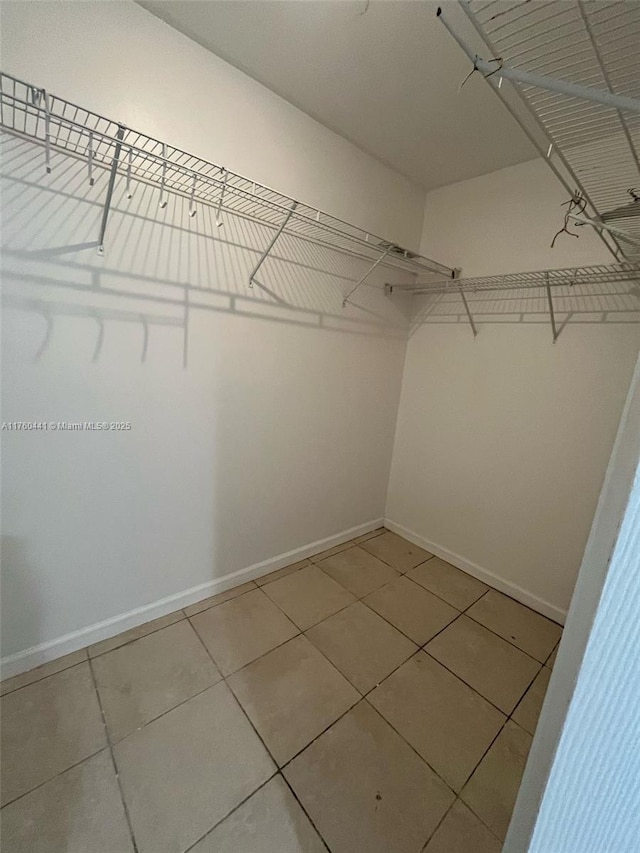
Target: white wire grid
{"x": 595, "y": 43}
{"x": 65, "y": 127}
{"x": 569, "y": 277}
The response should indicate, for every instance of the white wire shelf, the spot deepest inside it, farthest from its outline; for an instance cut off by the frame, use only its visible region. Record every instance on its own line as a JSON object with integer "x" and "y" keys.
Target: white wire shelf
{"x": 567, "y": 277}
{"x": 571, "y": 280}
{"x": 595, "y": 44}
{"x": 61, "y": 126}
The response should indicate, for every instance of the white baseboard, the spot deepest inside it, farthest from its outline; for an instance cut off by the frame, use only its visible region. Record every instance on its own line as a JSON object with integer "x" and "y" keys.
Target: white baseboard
{"x": 513, "y": 590}
{"x": 44, "y": 652}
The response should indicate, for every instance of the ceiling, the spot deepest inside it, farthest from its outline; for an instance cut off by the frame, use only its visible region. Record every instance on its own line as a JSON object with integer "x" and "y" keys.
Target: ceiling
{"x": 383, "y": 74}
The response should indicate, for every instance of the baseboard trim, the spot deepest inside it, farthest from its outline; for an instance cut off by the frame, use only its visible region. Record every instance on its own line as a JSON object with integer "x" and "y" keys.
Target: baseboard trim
{"x": 513, "y": 590}
{"x": 45, "y": 652}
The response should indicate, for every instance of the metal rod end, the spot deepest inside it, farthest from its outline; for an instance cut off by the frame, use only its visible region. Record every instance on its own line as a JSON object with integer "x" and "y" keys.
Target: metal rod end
{"x": 439, "y": 11}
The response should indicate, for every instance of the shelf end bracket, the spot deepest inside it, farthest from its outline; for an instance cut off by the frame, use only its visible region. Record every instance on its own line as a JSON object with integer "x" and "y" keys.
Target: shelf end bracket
{"x": 364, "y": 277}
{"x": 112, "y": 180}
{"x": 265, "y": 254}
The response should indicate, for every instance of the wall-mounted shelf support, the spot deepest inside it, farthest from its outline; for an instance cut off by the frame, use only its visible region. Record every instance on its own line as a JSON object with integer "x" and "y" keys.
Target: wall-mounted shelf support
{"x": 469, "y": 315}
{"x": 272, "y": 243}
{"x": 219, "y": 221}
{"x": 112, "y": 180}
{"x": 192, "y": 207}
{"x": 363, "y": 278}
{"x": 90, "y": 160}
{"x": 551, "y": 312}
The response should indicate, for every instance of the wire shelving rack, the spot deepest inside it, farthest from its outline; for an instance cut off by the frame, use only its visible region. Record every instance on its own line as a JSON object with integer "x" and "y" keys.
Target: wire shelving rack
{"x": 61, "y": 126}
{"x": 594, "y": 44}
{"x": 567, "y": 279}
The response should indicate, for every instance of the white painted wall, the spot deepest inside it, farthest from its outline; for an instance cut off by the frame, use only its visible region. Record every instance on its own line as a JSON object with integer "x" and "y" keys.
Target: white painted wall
{"x": 502, "y": 441}
{"x": 277, "y": 431}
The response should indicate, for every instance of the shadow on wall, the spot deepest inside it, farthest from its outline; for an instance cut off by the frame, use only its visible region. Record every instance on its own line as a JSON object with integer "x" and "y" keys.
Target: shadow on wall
{"x": 262, "y": 419}
{"x": 161, "y": 264}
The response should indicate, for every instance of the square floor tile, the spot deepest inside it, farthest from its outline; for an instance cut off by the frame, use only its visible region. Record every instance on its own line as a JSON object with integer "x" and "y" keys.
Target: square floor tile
{"x": 143, "y": 679}
{"x": 271, "y": 821}
{"x": 462, "y": 832}
{"x": 134, "y": 634}
{"x": 552, "y": 657}
{"x": 242, "y": 630}
{"x": 47, "y": 727}
{"x": 308, "y": 596}
{"x": 185, "y": 771}
{"x": 282, "y": 573}
{"x": 77, "y": 812}
{"x": 362, "y": 645}
{"x": 534, "y": 634}
{"x": 365, "y": 789}
{"x": 291, "y": 695}
{"x": 496, "y": 669}
{"x": 528, "y": 711}
{"x": 413, "y": 610}
{"x": 453, "y": 585}
{"x": 492, "y": 790}
{"x": 396, "y": 551}
{"x": 219, "y": 598}
{"x": 358, "y": 571}
{"x": 445, "y": 721}
{"x": 40, "y": 672}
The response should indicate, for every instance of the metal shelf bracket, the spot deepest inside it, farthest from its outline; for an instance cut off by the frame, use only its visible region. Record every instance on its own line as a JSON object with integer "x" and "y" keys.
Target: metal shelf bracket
{"x": 112, "y": 180}
{"x": 551, "y": 312}
{"x": 272, "y": 243}
{"x": 364, "y": 277}
{"x": 469, "y": 315}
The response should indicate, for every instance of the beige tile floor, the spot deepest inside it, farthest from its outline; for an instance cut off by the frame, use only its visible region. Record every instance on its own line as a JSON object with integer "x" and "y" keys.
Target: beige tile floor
{"x": 372, "y": 699}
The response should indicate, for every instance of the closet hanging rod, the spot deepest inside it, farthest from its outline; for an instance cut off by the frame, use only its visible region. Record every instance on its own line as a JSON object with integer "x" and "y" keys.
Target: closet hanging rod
{"x": 63, "y": 127}
{"x": 567, "y": 277}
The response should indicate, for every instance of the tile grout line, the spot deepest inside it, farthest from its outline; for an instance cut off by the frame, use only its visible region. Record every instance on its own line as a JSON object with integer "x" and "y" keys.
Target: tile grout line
{"x": 268, "y": 751}
{"x": 484, "y": 754}
{"x": 113, "y": 759}
{"x": 440, "y": 822}
{"x": 51, "y": 778}
{"x": 299, "y": 802}
{"x": 218, "y": 603}
{"x": 42, "y": 677}
{"x": 231, "y": 811}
